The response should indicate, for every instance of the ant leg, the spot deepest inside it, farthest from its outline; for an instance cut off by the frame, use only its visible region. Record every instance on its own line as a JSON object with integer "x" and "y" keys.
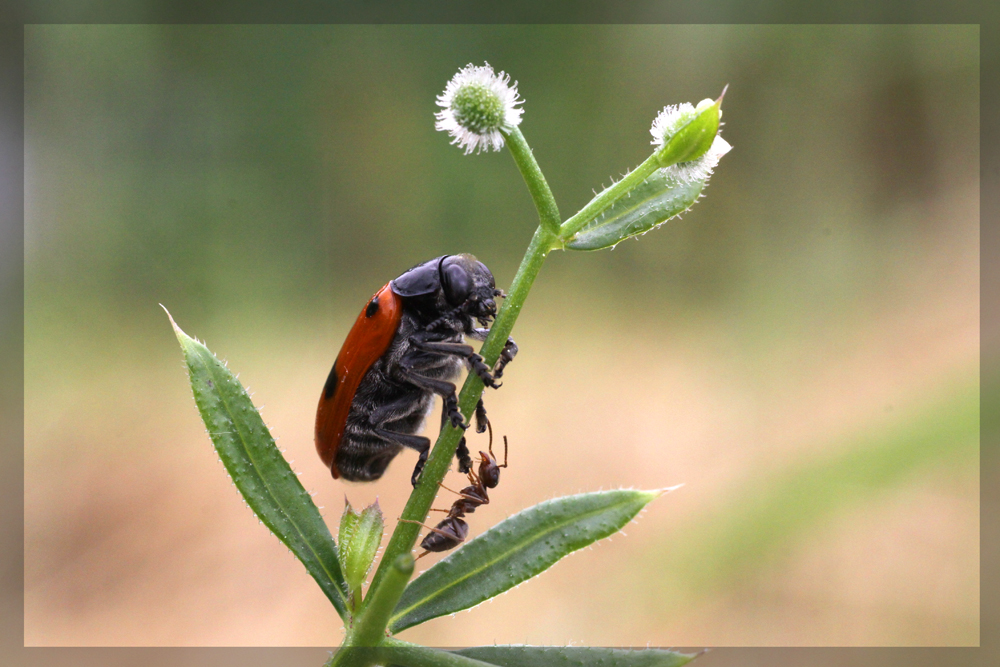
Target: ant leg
{"x": 457, "y": 493}
{"x": 447, "y": 489}
{"x": 417, "y": 442}
{"x": 433, "y": 530}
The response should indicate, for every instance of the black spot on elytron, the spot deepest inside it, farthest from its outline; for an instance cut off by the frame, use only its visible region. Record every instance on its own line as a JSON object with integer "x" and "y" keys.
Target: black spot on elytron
{"x": 331, "y": 382}
{"x": 372, "y": 307}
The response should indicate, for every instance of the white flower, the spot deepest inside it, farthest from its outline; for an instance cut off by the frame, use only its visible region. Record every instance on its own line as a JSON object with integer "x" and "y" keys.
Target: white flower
{"x": 478, "y": 107}
{"x": 701, "y": 168}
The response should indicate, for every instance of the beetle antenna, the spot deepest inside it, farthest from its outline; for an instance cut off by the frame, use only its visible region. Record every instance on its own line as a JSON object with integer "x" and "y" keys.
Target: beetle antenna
{"x": 442, "y": 320}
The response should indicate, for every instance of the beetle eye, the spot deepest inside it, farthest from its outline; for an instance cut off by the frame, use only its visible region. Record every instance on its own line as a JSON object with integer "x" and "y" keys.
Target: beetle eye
{"x": 457, "y": 283}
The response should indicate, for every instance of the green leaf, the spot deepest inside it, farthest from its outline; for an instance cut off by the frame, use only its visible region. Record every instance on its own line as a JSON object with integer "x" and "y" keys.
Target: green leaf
{"x": 260, "y": 472}
{"x": 558, "y": 656}
{"x": 695, "y": 138}
{"x": 360, "y": 535}
{"x": 515, "y": 550}
{"x": 349, "y": 521}
{"x": 654, "y": 201}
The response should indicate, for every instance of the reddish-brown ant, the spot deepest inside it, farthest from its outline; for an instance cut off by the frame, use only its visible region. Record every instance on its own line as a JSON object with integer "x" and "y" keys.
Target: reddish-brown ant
{"x": 453, "y": 530}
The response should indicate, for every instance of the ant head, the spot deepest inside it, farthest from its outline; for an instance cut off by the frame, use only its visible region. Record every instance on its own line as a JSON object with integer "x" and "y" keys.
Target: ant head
{"x": 489, "y": 471}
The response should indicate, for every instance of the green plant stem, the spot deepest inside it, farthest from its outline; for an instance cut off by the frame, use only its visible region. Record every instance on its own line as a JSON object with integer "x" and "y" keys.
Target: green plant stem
{"x": 371, "y": 627}
{"x": 541, "y": 194}
{"x": 419, "y": 503}
{"x": 607, "y": 198}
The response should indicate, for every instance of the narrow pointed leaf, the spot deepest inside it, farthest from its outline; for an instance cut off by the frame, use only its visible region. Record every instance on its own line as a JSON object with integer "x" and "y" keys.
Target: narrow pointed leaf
{"x": 652, "y": 202}
{"x": 260, "y": 472}
{"x": 664, "y": 194}
{"x": 515, "y": 550}
{"x": 574, "y": 656}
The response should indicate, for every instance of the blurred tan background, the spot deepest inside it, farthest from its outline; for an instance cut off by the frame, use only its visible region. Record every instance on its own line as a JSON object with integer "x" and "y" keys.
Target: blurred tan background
{"x": 800, "y": 350}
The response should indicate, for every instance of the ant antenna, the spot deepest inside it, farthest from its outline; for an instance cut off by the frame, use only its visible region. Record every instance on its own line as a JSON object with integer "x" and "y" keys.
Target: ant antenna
{"x": 504, "y": 453}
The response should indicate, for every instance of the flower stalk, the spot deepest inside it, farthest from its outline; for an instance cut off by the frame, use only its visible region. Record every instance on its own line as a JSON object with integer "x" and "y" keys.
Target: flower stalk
{"x": 541, "y": 195}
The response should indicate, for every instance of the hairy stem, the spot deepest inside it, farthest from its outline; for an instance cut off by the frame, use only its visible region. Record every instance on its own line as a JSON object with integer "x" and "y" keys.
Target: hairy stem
{"x": 541, "y": 195}
{"x": 607, "y": 198}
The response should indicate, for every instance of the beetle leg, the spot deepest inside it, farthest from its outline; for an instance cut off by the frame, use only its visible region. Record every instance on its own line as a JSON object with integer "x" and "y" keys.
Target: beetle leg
{"x": 417, "y": 442}
{"x": 464, "y": 458}
{"x": 462, "y": 452}
{"x": 444, "y": 389}
{"x": 390, "y": 411}
{"x": 479, "y": 367}
{"x": 482, "y": 421}
{"x": 506, "y": 356}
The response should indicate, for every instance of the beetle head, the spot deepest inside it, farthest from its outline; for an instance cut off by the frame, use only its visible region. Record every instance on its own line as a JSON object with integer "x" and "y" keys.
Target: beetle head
{"x": 469, "y": 286}
{"x": 455, "y": 285}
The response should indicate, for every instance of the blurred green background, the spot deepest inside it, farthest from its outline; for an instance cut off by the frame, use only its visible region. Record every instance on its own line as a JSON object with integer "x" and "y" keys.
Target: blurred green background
{"x": 801, "y": 349}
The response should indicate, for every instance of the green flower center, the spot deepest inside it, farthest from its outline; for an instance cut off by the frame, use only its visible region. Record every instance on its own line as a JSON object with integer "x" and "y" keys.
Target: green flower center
{"x": 477, "y": 108}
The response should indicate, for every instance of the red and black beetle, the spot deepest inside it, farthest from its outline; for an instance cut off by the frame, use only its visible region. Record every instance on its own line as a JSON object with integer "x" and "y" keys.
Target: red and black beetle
{"x": 406, "y": 346}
